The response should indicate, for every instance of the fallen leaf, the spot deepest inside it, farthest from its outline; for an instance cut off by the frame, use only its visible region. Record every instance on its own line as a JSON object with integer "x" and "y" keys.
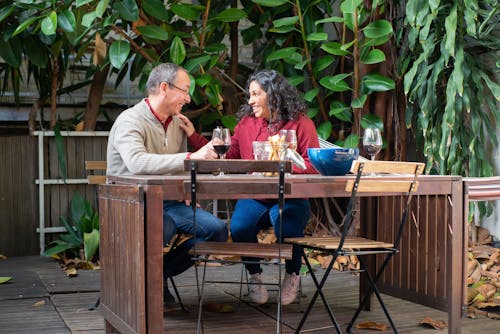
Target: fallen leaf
{"x": 436, "y": 324}
{"x": 218, "y": 308}
{"x": 71, "y": 272}
{"x": 40, "y": 303}
{"x": 3, "y": 257}
{"x": 5, "y": 279}
{"x": 487, "y": 290}
{"x": 372, "y": 325}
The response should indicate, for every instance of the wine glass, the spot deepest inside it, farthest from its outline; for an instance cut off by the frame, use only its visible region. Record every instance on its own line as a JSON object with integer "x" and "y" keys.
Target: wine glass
{"x": 372, "y": 141}
{"x": 221, "y": 141}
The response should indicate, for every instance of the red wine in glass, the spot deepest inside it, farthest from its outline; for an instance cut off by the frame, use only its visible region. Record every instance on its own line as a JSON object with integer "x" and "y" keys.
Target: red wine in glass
{"x": 221, "y": 142}
{"x": 221, "y": 149}
{"x": 372, "y": 149}
{"x": 372, "y": 141}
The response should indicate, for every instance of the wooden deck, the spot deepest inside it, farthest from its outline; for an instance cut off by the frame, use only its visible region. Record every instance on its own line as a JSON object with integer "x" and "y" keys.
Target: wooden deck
{"x": 66, "y": 303}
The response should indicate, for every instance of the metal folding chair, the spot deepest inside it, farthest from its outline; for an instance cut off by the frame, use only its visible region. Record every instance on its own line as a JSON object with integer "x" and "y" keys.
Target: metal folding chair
{"x": 208, "y": 186}
{"x": 400, "y": 178}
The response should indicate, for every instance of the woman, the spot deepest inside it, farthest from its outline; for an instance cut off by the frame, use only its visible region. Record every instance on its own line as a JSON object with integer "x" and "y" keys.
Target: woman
{"x": 273, "y": 105}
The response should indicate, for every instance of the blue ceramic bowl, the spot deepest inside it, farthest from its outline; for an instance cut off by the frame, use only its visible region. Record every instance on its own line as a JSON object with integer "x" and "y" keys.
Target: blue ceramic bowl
{"x": 332, "y": 161}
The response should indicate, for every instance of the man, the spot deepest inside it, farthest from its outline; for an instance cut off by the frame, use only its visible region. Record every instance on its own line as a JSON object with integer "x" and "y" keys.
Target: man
{"x": 151, "y": 138}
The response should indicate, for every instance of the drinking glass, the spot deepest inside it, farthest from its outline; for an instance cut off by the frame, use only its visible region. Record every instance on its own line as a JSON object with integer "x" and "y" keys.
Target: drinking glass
{"x": 290, "y": 138}
{"x": 372, "y": 141}
{"x": 221, "y": 141}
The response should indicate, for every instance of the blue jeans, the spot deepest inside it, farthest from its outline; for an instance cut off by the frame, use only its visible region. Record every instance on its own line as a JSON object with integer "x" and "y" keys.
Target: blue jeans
{"x": 178, "y": 218}
{"x": 250, "y": 216}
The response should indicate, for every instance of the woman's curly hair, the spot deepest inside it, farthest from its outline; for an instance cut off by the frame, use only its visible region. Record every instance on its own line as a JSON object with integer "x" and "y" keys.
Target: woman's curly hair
{"x": 284, "y": 100}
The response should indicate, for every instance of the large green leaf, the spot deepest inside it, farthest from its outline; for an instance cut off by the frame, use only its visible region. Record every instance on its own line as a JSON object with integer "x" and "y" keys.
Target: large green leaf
{"x": 5, "y": 12}
{"x": 127, "y": 9}
{"x": 5, "y": 279}
{"x": 374, "y": 56}
{"x": 57, "y": 247}
{"x": 156, "y": 9}
{"x": 372, "y": 121}
{"x": 186, "y": 11}
{"x": 90, "y": 244}
{"x": 177, "y": 51}
{"x": 323, "y": 63}
{"x": 281, "y": 53}
{"x": 375, "y": 82}
{"x": 118, "y": 53}
{"x": 330, "y": 19}
{"x": 230, "y": 15}
{"x": 286, "y": 21}
{"x": 49, "y": 23}
{"x": 324, "y": 130}
{"x": 378, "y": 29}
{"x": 193, "y": 63}
{"x": 88, "y": 19}
{"x": 317, "y": 36}
{"x": 352, "y": 141}
{"x": 296, "y": 80}
{"x": 334, "y": 48}
{"x": 153, "y": 31}
{"x": 311, "y": 94}
{"x": 24, "y": 25}
{"x": 101, "y": 8}
{"x": 336, "y": 83}
{"x": 66, "y": 21}
{"x": 349, "y": 6}
{"x": 270, "y": 3}
{"x": 341, "y": 111}
{"x": 80, "y": 3}
{"x": 11, "y": 52}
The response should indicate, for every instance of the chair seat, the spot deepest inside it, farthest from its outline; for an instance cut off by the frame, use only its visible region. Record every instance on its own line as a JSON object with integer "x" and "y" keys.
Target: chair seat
{"x": 247, "y": 249}
{"x": 331, "y": 243}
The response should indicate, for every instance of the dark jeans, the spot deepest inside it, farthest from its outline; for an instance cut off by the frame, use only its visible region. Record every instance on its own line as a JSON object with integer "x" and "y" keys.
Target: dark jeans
{"x": 250, "y": 216}
{"x": 178, "y": 218}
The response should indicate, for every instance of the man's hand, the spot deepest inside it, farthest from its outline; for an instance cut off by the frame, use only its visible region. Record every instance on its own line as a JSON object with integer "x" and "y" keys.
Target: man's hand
{"x": 206, "y": 152}
{"x": 186, "y": 125}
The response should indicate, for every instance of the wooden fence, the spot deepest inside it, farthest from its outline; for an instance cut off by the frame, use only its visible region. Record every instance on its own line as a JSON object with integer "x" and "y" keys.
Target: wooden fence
{"x": 19, "y": 192}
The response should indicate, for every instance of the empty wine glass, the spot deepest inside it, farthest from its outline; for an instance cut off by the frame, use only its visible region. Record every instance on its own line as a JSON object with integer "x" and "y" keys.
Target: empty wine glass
{"x": 372, "y": 141}
{"x": 221, "y": 141}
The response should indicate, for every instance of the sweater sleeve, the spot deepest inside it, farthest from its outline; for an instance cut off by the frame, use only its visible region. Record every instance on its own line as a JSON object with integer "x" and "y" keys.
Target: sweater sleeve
{"x": 306, "y": 137}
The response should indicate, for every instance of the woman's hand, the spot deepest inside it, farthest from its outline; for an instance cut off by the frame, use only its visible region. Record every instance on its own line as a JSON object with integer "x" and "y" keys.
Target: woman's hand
{"x": 186, "y": 125}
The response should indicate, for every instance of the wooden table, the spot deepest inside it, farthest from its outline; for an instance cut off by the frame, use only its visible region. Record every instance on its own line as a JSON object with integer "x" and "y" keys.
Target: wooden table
{"x": 131, "y": 212}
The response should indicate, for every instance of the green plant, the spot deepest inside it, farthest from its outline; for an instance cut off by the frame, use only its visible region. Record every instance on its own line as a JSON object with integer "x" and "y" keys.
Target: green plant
{"x": 332, "y": 53}
{"x": 451, "y": 83}
{"x": 82, "y": 232}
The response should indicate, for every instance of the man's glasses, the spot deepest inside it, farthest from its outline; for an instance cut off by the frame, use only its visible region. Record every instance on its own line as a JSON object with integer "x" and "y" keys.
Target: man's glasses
{"x": 185, "y": 91}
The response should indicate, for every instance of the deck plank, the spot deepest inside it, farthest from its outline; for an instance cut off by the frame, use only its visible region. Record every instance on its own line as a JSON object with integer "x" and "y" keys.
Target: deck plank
{"x": 66, "y": 311}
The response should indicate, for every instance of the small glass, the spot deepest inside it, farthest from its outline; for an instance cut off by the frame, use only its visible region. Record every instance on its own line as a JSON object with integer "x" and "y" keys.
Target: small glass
{"x": 261, "y": 150}
{"x": 290, "y": 138}
{"x": 221, "y": 141}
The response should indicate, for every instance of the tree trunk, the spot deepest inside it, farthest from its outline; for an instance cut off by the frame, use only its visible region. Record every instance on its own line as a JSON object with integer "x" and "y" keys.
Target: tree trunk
{"x": 94, "y": 100}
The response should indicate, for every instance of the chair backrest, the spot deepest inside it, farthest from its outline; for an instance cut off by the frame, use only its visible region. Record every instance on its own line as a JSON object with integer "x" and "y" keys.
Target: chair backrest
{"x": 404, "y": 173}
{"x": 96, "y": 171}
{"x": 399, "y": 178}
{"x": 239, "y": 166}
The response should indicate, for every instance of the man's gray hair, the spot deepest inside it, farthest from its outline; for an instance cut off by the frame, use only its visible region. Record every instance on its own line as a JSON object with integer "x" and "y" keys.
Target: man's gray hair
{"x": 166, "y": 72}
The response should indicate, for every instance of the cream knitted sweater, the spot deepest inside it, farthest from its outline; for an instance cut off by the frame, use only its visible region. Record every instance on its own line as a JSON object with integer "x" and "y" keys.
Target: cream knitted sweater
{"x": 138, "y": 144}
